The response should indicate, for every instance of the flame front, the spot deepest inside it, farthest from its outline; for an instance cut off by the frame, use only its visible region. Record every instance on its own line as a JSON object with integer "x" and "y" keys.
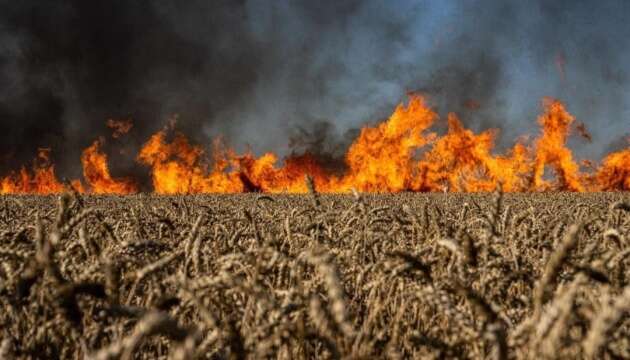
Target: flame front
{"x": 382, "y": 158}
{"x": 399, "y": 154}
{"x": 181, "y": 168}
{"x": 463, "y": 161}
{"x": 40, "y": 180}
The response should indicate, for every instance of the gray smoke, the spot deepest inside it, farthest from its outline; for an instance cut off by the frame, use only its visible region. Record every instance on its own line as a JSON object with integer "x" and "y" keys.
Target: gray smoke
{"x": 300, "y": 75}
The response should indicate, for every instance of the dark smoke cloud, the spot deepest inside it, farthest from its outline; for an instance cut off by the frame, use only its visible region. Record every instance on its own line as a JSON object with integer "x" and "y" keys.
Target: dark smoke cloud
{"x": 269, "y": 74}
{"x": 67, "y": 66}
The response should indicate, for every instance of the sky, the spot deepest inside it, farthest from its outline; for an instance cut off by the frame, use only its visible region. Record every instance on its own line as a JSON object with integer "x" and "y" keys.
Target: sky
{"x": 301, "y": 75}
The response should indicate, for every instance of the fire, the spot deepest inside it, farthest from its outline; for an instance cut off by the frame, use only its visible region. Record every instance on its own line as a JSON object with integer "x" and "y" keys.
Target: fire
{"x": 40, "y": 180}
{"x": 181, "y": 168}
{"x": 96, "y": 173}
{"x": 463, "y": 161}
{"x": 262, "y": 175}
{"x": 614, "y": 174}
{"x": 551, "y": 149}
{"x": 382, "y": 158}
{"x": 399, "y": 154}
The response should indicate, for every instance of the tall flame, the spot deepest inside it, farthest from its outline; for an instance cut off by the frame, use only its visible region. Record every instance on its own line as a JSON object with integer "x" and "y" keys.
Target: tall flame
{"x": 382, "y": 158}
{"x": 551, "y": 148}
{"x": 399, "y": 154}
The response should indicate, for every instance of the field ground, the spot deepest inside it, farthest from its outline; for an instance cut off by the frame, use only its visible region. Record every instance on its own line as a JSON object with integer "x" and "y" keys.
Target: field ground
{"x": 316, "y": 276}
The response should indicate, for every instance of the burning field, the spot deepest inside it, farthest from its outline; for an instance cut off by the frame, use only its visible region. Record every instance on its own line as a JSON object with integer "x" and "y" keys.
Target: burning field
{"x": 495, "y": 275}
{"x": 418, "y": 242}
{"x": 399, "y": 154}
{"x": 357, "y": 179}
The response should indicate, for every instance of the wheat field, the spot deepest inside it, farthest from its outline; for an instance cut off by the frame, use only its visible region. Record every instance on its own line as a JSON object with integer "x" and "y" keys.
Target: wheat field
{"x": 426, "y": 276}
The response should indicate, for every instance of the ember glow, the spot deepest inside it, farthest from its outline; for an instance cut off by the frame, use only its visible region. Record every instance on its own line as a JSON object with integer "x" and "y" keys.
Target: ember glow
{"x": 399, "y": 154}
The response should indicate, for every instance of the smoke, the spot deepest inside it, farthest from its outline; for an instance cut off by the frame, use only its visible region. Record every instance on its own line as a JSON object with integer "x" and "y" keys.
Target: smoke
{"x": 68, "y": 66}
{"x": 289, "y": 75}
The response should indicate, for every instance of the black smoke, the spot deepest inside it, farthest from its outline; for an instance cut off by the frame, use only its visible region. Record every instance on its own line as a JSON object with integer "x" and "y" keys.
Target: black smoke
{"x": 68, "y": 66}
{"x": 299, "y": 75}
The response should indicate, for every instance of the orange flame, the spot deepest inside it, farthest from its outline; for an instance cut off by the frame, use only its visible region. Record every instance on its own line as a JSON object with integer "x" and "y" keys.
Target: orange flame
{"x": 41, "y": 180}
{"x": 180, "y": 168}
{"x": 551, "y": 149}
{"x": 262, "y": 175}
{"x": 399, "y": 154}
{"x": 96, "y": 173}
{"x": 614, "y": 174}
{"x": 382, "y": 158}
{"x": 462, "y": 161}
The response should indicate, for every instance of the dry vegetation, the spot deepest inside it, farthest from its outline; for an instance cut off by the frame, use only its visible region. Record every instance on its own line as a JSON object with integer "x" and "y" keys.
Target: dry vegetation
{"x": 316, "y": 276}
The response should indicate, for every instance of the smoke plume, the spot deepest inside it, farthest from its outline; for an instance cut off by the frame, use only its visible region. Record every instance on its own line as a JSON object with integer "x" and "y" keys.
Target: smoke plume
{"x": 299, "y": 75}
